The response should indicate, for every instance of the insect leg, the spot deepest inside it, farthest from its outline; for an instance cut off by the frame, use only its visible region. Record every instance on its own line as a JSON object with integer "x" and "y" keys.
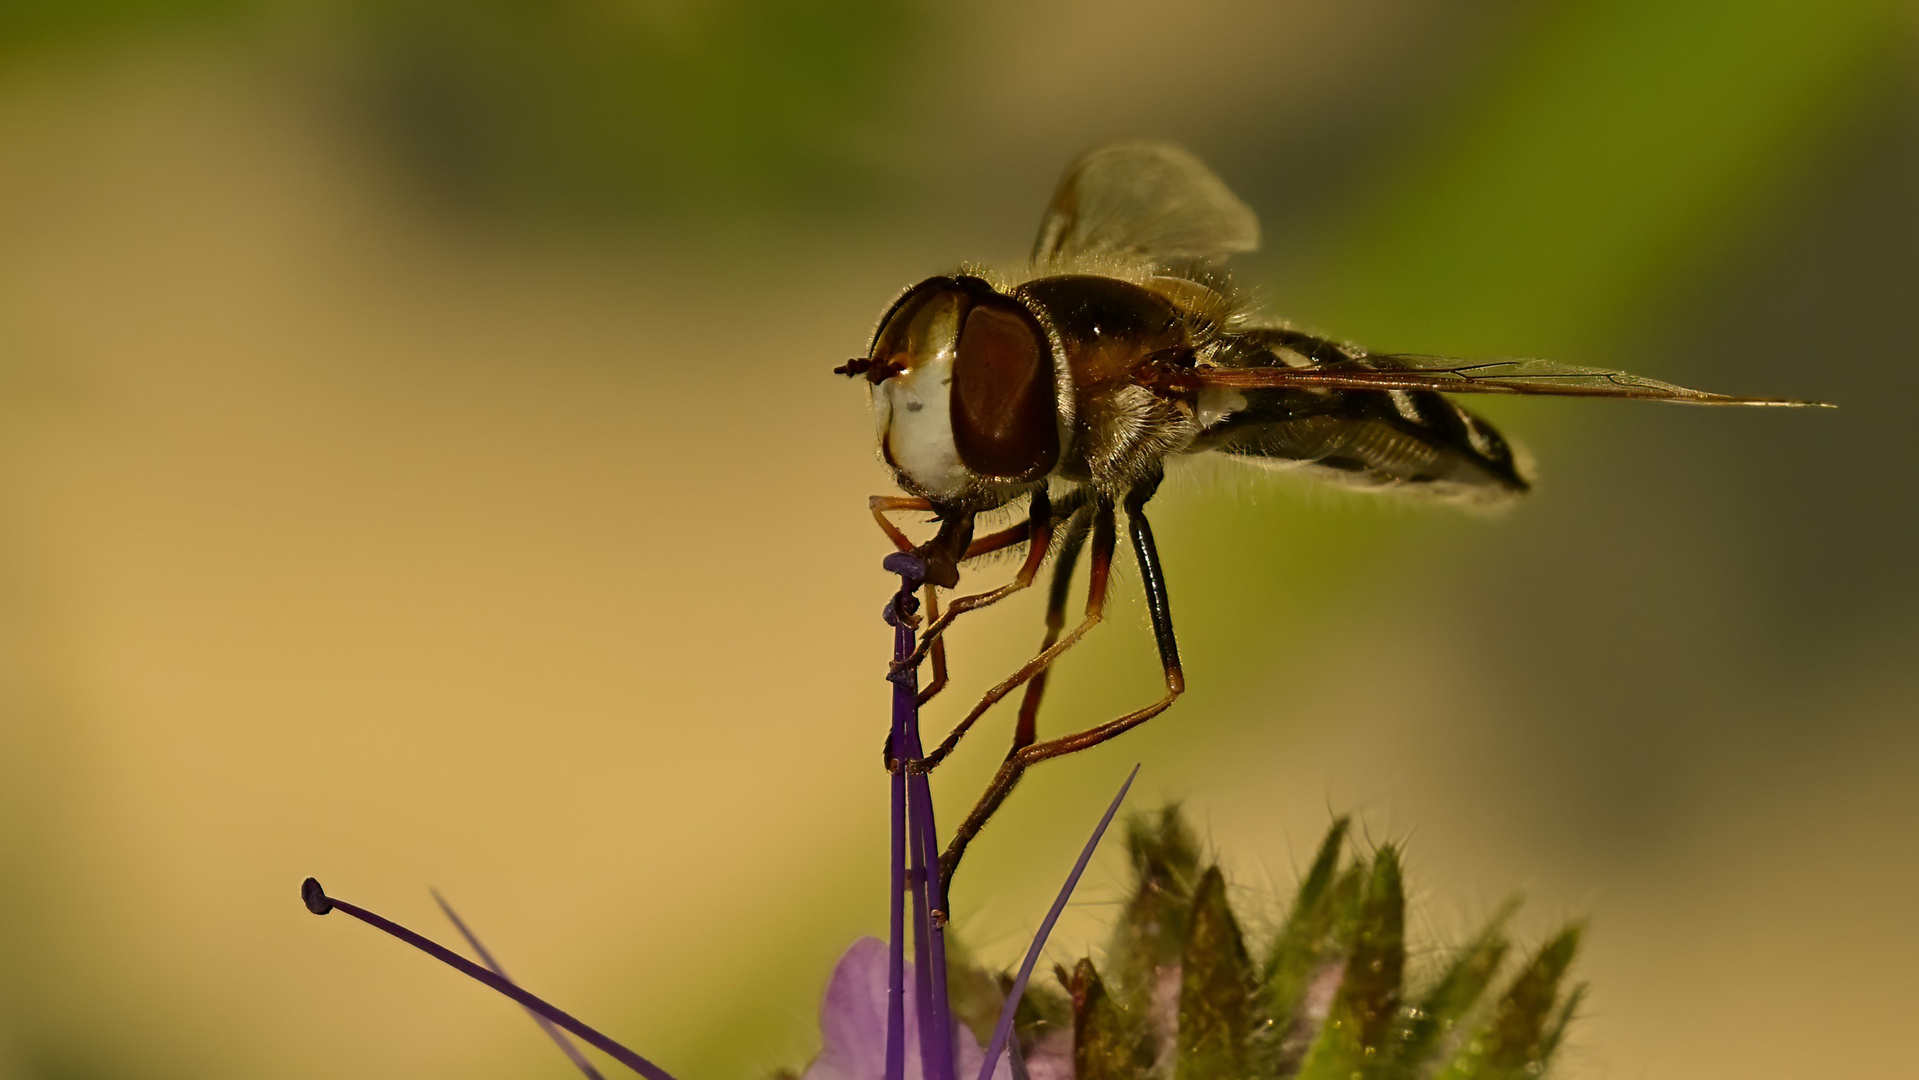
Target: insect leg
{"x": 932, "y": 599}
{"x": 1154, "y": 579}
{"x": 1039, "y": 528}
{"x": 999, "y": 541}
{"x": 1070, "y": 546}
{"x": 881, "y": 505}
{"x": 1009, "y": 771}
{"x": 1103, "y": 542}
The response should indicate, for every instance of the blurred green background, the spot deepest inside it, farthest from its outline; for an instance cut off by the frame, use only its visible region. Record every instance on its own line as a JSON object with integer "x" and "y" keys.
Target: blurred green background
{"x": 420, "y": 467}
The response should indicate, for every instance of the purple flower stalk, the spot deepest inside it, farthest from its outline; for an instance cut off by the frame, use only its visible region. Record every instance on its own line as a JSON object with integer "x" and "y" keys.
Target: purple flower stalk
{"x": 552, "y": 1032}
{"x": 873, "y": 1016}
{"x": 1003, "y": 1030}
{"x": 318, "y": 902}
{"x": 916, "y": 866}
{"x": 921, "y": 872}
{"x": 1188, "y": 997}
{"x": 899, "y": 613}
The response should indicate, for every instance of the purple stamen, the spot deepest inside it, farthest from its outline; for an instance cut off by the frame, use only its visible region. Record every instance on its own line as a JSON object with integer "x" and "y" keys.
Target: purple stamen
{"x": 559, "y": 1037}
{"x": 913, "y": 813}
{"x": 1003, "y": 1030}
{"x": 927, "y": 971}
{"x": 907, "y": 565}
{"x": 936, "y": 1030}
{"x": 896, "y": 960}
{"x": 923, "y": 973}
{"x": 905, "y": 706}
{"x": 318, "y": 902}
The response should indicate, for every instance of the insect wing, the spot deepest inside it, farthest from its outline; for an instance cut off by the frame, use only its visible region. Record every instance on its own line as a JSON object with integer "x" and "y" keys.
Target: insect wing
{"x": 1452, "y": 376}
{"x": 1147, "y": 200}
{"x": 1413, "y": 443}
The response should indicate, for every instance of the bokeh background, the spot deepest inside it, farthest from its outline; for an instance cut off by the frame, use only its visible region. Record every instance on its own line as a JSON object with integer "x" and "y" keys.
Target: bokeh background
{"x": 420, "y": 467}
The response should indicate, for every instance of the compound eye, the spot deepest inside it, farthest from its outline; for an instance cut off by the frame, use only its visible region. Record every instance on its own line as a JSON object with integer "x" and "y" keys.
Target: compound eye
{"x": 1004, "y": 414}
{"x": 918, "y": 330}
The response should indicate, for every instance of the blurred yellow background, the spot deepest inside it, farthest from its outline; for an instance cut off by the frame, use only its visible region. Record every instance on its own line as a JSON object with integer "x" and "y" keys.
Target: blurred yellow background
{"x": 421, "y": 467}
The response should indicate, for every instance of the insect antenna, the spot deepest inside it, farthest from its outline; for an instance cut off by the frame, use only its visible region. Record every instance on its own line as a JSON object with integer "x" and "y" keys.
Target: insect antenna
{"x": 876, "y": 371}
{"x": 559, "y": 1038}
{"x": 319, "y": 903}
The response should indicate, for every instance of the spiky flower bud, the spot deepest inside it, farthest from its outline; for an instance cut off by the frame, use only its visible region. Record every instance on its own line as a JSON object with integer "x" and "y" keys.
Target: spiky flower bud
{"x": 1182, "y": 996}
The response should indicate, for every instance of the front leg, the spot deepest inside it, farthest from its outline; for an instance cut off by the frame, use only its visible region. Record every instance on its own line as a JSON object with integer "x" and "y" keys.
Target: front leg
{"x": 948, "y": 547}
{"x": 881, "y": 505}
{"x": 1037, "y": 532}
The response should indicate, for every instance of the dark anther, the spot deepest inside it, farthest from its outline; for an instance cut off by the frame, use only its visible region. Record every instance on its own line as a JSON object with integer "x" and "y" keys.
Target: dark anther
{"x": 315, "y": 897}
{"x": 902, "y": 610}
{"x": 907, "y": 565}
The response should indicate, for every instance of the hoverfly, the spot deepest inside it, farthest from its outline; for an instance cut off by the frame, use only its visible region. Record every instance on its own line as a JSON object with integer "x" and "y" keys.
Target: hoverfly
{"x": 1122, "y": 344}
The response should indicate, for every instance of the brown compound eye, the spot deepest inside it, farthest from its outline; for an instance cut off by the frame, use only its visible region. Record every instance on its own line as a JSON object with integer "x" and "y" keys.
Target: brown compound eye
{"x": 1004, "y": 422}
{"x": 918, "y": 328}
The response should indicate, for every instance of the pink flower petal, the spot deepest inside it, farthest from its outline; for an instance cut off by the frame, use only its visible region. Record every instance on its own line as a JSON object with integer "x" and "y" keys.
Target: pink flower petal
{"x": 853, "y": 1024}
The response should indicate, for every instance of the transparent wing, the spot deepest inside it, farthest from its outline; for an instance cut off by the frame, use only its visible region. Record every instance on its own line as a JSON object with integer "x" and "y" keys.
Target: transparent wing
{"x": 1145, "y": 199}
{"x": 1451, "y": 376}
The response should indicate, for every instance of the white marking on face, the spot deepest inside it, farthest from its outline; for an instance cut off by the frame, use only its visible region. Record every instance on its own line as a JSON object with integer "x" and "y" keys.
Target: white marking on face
{"x": 1403, "y": 402}
{"x": 913, "y": 412}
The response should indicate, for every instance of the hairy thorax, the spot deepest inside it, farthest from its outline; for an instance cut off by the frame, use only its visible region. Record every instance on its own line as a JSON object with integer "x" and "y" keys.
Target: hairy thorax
{"x": 1105, "y": 328}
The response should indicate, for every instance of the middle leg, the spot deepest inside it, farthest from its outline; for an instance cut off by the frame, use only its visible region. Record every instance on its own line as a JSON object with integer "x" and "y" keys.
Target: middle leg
{"x": 1103, "y": 543}
{"x": 1026, "y": 731}
{"x": 1023, "y": 755}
